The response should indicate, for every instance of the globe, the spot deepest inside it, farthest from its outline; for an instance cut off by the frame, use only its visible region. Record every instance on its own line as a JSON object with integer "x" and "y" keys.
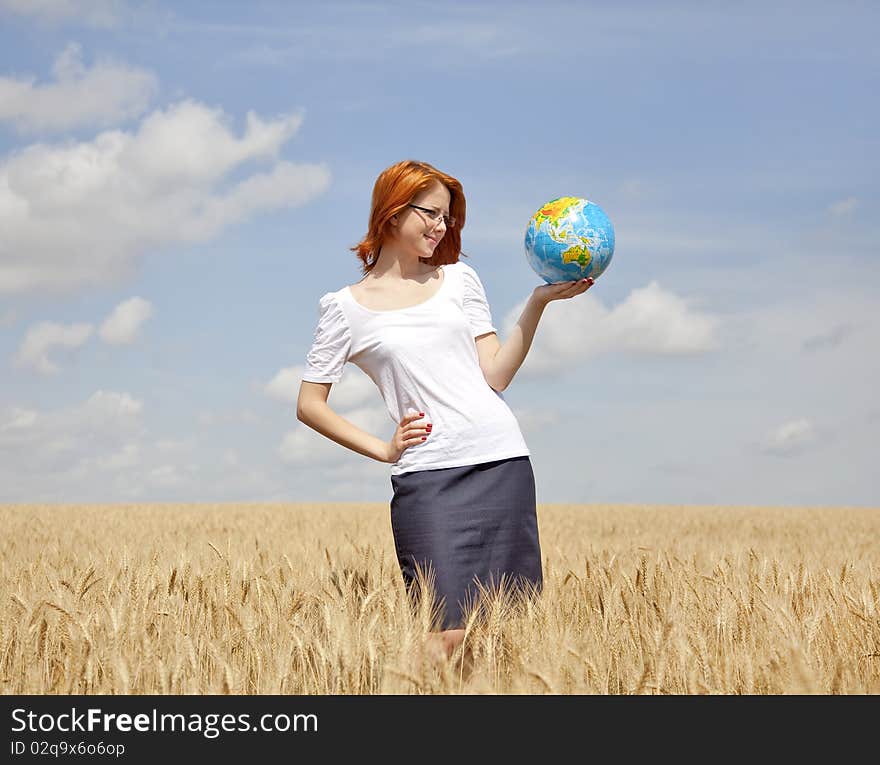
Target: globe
{"x": 569, "y": 238}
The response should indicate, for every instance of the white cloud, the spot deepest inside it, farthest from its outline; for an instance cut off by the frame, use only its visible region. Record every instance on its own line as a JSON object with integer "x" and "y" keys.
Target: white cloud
{"x": 305, "y": 446}
{"x": 78, "y": 214}
{"x": 127, "y": 457}
{"x": 243, "y": 416}
{"x": 843, "y": 208}
{"x": 651, "y": 320}
{"x": 177, "y": 447}
{"x": 840, "y": 322}
{"x": 829, "y": 338}
{"x": 122, "y": 325}
{"x": 167, "y": 476}
{"x": 284, "y": 386}
{"x": 39, "y": 443}
{"x": 42, "y": 337}
{"x": 355, "y": 397}
{"x": 354, "y": 479}
{"x": 107, "y": 93}
{"x": 95, "y": 13}
{"x": 654, "y": 320}
{"x": 790, "y": 437}
{"x": 354, "y": 389}
{"x": 120, "y": 328}
{"x": 535, "y": 420}
{"x": 112, "y": 406}
{"x": 97, "y": 450}
{"x": 19, "y": 419}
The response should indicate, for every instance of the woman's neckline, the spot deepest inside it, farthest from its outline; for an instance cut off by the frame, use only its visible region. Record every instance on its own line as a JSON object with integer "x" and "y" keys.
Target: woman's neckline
{"x": 405, "y": 308}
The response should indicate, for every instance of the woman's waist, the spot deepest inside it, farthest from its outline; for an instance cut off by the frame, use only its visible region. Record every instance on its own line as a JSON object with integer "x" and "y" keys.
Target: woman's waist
{"x": 460, "y": 417}
{"x": 479, "y": 444}
{"x": 453, "y": 434}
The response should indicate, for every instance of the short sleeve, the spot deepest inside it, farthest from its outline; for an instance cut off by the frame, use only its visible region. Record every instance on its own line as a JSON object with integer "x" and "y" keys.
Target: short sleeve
{"x": 476, "y": 306}
{"x": 331, "y": 345}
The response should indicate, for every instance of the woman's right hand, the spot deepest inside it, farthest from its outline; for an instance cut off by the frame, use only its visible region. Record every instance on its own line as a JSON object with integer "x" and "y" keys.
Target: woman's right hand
{"x": 409, "y": 432}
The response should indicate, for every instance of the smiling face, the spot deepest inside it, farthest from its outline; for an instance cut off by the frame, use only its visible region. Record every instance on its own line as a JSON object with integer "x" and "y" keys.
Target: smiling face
{"x": 417, "y": 231}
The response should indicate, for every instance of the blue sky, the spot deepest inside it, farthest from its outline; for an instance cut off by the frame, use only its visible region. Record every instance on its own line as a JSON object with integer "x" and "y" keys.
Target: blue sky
{"x": 180, "y": 183}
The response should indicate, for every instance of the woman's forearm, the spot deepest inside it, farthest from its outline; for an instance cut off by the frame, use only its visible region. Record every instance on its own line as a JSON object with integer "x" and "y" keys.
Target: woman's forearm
{"x": 320, "y": 417}
{"x": 512, "y": 352}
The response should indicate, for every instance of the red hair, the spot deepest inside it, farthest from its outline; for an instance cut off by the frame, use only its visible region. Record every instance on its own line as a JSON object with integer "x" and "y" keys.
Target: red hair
{"x": 394, "y": 189}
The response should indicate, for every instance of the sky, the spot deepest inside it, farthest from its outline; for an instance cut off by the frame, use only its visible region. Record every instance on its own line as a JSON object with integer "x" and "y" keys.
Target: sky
{"x": 180, "y": 183}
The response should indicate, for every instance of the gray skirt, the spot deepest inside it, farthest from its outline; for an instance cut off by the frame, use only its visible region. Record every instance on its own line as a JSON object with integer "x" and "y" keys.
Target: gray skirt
{"x": 466, "y": 525}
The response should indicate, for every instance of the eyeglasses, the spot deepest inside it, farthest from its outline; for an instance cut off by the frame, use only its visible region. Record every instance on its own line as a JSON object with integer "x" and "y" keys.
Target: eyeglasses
{"x": 436, "y": 215}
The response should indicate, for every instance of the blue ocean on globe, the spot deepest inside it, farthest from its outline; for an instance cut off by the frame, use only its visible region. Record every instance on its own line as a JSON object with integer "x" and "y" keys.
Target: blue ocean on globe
{"x": 569, "y": 238}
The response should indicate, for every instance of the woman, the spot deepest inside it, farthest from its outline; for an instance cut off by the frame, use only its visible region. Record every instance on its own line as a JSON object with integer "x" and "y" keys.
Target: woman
{"x": 463, "y": 509}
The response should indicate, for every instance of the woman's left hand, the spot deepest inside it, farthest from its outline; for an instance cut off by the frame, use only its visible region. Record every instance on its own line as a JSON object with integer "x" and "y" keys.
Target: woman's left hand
{"x": 562, "y": 290}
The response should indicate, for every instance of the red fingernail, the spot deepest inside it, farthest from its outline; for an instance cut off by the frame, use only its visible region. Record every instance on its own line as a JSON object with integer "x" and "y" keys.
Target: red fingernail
{"x": 421, "y": 414}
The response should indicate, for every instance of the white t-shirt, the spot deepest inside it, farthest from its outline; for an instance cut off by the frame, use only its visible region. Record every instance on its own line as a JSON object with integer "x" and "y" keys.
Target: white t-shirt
{"x": 424, "y": 359}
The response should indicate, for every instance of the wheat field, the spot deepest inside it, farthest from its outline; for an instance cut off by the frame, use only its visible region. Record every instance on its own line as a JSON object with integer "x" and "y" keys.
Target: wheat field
{"x": 308, "y": 599}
